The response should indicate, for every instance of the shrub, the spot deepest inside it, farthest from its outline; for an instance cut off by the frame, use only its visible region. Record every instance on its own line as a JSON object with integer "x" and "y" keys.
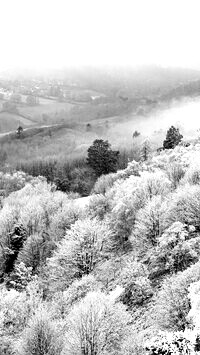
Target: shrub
{"x": 175, "y": 173}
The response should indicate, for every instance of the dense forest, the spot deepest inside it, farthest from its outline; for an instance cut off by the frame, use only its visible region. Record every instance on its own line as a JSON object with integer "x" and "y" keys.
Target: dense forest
{"x": 117, "y": 272}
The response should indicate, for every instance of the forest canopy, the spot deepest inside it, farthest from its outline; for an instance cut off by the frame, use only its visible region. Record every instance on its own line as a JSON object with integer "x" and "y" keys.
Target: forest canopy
{"x": 116, "y": 272}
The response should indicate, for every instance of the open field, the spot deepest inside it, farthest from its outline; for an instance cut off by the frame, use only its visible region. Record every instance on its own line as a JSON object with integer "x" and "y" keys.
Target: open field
{"x": 36, "y": 112}
{"x": 48, "y": 143}
{"x": 45, "y": 107}
{"x": 10, "y": 121}
{"x": 45, "y": 111}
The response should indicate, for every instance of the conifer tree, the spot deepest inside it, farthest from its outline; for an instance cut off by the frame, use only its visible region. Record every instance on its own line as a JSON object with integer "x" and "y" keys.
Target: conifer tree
{"x": 102, "y": 158}
{"x": 173, "y": 138}
{"x": 145, "y": 150}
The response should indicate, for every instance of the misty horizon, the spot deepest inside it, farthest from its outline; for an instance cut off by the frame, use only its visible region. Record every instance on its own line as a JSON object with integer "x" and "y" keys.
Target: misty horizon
{"x": 42, "y": 35}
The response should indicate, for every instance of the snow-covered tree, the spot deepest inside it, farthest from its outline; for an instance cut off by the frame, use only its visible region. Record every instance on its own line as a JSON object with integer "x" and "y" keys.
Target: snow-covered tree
{"x": 184, "y": 206}
{"x": 78, "y": 252}
{"x": 170, "y": 343}
{"x": 177, "y": 249}
{"x": 149, "y": 224}
{"x": 172, "y": 302}
{"x": 42, "y": 336}
{"x": 97, "y": 325}
{"x": 136, "y": 284}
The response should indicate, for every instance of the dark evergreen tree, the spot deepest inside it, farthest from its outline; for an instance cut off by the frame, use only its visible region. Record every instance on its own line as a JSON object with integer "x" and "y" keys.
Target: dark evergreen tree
{"x": 19, "y": 131}
{"x": 102, "y": 158}
{"x": 15, "y": 242}
{"x": 173, "y": 138}
{"x": 62, "y": 184}
{"x": 136, "y": 134}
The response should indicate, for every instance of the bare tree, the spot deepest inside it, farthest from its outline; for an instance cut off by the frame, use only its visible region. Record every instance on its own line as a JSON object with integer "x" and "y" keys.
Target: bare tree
{"x": 97, "y": 325}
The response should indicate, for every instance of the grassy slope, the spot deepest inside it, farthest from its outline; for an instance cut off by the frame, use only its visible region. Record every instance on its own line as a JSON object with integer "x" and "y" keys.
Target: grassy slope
{"x": 45, "y": 107}
{"x": 73, "y": 139}
{"x": 47, "y": 143}
{"x": 10, "y": 121}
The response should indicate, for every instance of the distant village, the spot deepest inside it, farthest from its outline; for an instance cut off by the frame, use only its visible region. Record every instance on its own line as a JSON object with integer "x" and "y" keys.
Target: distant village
{"x": 35, "y": 89}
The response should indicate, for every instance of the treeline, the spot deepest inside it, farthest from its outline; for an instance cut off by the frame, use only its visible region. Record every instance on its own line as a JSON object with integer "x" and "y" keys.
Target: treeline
{"x": 72, "y": 176}
{"x": 80, "y": 175}
{"x": 75, "y": 176}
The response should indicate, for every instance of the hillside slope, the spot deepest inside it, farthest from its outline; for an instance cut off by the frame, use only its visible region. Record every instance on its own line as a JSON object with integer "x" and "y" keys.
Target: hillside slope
{"x": 121, "y": 267}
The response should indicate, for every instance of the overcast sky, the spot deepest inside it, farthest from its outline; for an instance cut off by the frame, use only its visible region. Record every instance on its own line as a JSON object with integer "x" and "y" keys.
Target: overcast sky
{"x": 57, "y": 33}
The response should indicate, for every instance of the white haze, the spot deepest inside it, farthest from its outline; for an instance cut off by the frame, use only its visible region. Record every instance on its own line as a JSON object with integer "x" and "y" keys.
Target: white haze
{"x": 57, "y": 33}
{"x": 184, "y": 115}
